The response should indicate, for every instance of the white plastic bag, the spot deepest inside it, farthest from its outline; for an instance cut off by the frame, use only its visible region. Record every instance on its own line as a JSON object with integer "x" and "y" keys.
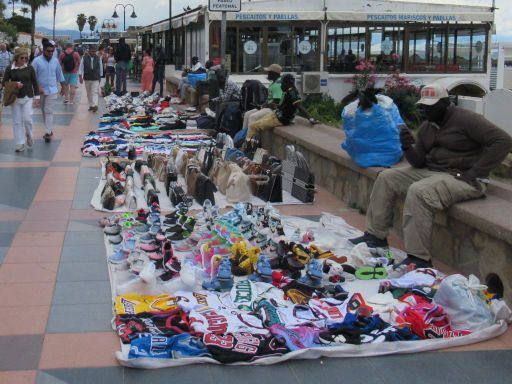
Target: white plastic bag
{"x": 462, "y": 300}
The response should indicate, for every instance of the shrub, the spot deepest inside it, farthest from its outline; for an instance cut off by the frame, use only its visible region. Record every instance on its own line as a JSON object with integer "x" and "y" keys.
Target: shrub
{"x": 323, "y": 108}
{"x": 405, "y": 95}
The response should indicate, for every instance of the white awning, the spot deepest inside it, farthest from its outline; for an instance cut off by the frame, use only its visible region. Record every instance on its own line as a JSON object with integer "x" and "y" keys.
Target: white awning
{"x": 160, "y": 27}
{"x": 410, "y": 16}
{"x": 269, "y": 16}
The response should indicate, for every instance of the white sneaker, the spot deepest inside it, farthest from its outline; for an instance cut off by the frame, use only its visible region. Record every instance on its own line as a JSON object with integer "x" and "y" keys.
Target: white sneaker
{"x": 30, "y": 141}
{"x": 20, "y": 148}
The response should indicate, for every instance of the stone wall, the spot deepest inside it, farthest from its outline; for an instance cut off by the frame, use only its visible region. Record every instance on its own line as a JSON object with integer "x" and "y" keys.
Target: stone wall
{"x": 459, "y": 243}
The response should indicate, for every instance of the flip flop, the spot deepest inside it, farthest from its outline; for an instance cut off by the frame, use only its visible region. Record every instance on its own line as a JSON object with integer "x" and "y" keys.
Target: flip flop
{"x": 371, "y": 273}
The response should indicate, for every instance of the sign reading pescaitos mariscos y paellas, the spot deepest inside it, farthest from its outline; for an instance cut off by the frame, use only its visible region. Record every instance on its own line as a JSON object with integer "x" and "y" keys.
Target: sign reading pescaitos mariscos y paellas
{"x": 224, "y": 5}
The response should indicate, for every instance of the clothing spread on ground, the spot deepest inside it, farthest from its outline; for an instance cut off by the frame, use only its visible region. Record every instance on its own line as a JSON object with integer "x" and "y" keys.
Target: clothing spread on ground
{"x": 198, "y": 312}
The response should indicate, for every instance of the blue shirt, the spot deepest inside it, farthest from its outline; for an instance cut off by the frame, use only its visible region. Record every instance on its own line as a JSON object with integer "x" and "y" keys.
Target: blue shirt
{"x": 48, "y": 74}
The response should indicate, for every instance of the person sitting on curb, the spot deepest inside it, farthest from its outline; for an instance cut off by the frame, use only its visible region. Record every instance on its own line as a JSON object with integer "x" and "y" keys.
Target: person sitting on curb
{"x": 274, "y": 96}
{"x": 285, "y": 112}
{"x": 450, "y": 161}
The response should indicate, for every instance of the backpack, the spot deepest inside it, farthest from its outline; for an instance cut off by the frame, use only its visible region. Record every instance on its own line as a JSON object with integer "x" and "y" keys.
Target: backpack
{"x": 68, "y": 62}
{"x": 254, "y": 94}
{"x": 230, "y": 120}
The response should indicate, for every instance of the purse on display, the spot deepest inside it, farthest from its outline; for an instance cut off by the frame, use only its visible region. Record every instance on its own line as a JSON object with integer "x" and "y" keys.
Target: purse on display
{"x": 170, "y": 176}
{"x": 176, "y": 193}
{"x": 271, "y": 189}
{"x": 250, "y": 146}
{"x": 205, "y": 189}
{"x": 192, "y": 174}
{"x": 238, "y": 188}
{"x": 208, "y": 161}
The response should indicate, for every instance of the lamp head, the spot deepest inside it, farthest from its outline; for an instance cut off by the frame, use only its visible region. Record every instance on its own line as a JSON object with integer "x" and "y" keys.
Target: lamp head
{"x": 133, "y": 15}
{"x": 115, "y": 15}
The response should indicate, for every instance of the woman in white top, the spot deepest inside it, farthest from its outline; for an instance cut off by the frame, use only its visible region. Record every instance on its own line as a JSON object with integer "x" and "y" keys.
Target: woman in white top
{"x": 110, "y": 73}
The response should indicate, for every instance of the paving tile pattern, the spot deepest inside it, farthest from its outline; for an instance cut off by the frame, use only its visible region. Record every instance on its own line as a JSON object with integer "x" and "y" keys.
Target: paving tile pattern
{"x": 56, "y": 300}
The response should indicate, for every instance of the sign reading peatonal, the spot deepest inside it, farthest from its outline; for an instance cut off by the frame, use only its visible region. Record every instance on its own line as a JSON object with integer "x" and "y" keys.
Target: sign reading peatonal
{"x": 224, "y": 5}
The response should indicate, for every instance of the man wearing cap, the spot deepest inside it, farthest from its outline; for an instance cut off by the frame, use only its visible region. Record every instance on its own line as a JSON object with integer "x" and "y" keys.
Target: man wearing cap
{"x": 451, "y": 158}
{"x": 274, "y": 96}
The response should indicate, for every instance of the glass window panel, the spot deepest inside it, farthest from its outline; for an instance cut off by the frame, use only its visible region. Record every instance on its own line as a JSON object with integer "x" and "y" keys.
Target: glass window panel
{"x": 279, "y": 47}
{"x": 306, "y": 49}
{"x": 418, "y": 51}
{"x": 345, "y": 48}
{"x": 478, "y": 50}
{"x": 249, "y": 54}
{"x": 386, "y": 48}
{"x": 463, "y": 56}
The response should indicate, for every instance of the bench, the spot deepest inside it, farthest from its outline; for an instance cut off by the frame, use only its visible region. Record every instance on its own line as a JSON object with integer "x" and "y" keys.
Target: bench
{"x": 190, "y": 96}
{"x": 473, "y": 237}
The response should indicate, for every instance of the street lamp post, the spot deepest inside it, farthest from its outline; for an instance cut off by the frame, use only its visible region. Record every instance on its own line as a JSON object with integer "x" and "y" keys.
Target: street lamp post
{"x": 108, "y": 24}
{"x": 115, "y": 15}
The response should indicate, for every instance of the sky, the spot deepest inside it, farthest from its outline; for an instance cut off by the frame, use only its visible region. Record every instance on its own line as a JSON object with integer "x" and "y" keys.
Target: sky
{"x": 149, "y": 11}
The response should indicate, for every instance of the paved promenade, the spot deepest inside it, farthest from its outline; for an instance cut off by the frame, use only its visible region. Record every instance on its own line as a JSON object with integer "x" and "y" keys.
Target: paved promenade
{"x": 55, "y": 294}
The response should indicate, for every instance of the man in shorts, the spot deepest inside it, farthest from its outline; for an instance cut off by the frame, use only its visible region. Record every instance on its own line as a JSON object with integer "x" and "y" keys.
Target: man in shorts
{"x": 70, "y": 62}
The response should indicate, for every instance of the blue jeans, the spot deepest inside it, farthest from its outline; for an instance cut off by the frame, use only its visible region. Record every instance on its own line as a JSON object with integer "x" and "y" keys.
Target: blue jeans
{"x": 121, "y": 71}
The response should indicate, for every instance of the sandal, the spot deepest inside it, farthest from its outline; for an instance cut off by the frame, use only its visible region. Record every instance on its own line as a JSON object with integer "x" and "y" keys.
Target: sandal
{"x": 371, "y": 273}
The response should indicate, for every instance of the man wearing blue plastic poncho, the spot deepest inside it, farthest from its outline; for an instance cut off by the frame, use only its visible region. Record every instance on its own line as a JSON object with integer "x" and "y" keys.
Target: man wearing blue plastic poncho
{"x": 451, "y": 158}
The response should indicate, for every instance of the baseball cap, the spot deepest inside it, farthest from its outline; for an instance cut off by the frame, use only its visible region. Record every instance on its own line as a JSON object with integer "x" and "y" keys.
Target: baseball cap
{"x": 274, "y": 68}
{"x": 432, "y": 93}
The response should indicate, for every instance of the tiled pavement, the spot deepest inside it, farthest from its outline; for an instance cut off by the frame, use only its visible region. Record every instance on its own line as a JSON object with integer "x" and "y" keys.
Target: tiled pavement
{"x": 55, "y": 294}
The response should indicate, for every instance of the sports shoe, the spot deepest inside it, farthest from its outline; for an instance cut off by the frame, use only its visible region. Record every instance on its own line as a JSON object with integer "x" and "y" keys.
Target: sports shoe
{"x": 113, "y": 229}
{"x": 263, "y": 272}
{"x": 119, "y": 257}
{"x": 29, "y": 141}
{"x": 223, "y": 280}
{"x": 48, "y": 137}
{"x": 142, "y": 229}
{"x": 313, "y": 277}
{"x": 410, "y": 263}
{"x": 147, "y": 238}
{"x": 116, "y": 239}
{"x": 370, "y": 240}
{"x": 19, "y": 148}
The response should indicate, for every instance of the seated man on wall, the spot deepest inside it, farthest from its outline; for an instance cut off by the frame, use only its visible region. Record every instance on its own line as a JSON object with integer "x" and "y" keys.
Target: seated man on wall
{"x": 197, "y": 67}
{"x": 274, "y": 96}
{"x": 285, "y": 112}
{"x": 229, "y": 91}
{"x": 454, "y": 153}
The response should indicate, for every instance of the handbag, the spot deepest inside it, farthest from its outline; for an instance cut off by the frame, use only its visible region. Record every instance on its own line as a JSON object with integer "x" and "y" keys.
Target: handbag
{"x": 171, "y": 175}
{"x": 271, "y": 190}
{"x": 176, "y": 193}
{"x": 250, "y": 146}
{"x": 223, "y": 176}
{"x": 205, "y": 189}
{"x": 208, "y": 161}
{"x": 191, "y": 179}
{"x": 10, "y": 92}
{"x": 259, "y": 155}
{"x": 238, "y": 188}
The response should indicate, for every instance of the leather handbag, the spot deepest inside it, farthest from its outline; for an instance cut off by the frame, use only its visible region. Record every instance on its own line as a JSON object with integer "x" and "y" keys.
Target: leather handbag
{"x": 271, "y": 190}
{"x": 205, "y": 189}
{"x": 250, "y": 146}
{"x": 255, "y": 181}
{"x": 239, "y": 187}
{"x": 208, "y": 161}
{"x": 191, "y": 179}
{"x": 176, "y": 193}
{"x": 223, "y": 177}
{"x": 171, "y": 175}
{"x": 260, "y": 155}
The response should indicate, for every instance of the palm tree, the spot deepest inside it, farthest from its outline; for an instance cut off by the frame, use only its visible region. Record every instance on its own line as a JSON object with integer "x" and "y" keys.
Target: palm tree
{"x": 54, "y": 13}
{"x": 13, "y": 2}
{"x": 81, "y": 19}
{"x": 34, "y": 5}
{"x": 24, "y": 10}
{"x": 92, "y": 20}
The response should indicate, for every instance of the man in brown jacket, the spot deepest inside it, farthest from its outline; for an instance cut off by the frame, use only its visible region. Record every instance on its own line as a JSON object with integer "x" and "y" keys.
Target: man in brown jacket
{"x": 451, "y": 158}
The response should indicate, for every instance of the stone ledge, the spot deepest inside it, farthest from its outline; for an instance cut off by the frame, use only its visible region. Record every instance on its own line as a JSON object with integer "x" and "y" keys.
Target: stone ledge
{"x": 491, "y": 215}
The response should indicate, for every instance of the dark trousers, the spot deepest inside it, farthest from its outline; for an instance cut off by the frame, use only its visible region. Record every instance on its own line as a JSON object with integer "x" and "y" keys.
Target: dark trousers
{"x": 158, "y": 76}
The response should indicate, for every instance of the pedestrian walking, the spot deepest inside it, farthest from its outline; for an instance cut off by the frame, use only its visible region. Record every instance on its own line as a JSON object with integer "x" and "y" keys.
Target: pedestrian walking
{"x": 90, "y": 72}
{"x": 70, "y": 61}
{"x": 159, "y": 70}
{"x": 148, "y": 68}
{"x": 122, "y": 55}
{"x": 49, "y": 75}
{"x": 110, "y": 67}
{"x": 21, "y": 72}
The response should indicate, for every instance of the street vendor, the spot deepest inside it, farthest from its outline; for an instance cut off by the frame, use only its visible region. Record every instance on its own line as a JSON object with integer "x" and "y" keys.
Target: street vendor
{"x": 450, "y": 161}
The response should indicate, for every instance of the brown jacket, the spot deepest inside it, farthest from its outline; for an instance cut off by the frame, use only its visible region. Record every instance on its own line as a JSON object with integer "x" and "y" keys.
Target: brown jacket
{"x": 465, "y": 142}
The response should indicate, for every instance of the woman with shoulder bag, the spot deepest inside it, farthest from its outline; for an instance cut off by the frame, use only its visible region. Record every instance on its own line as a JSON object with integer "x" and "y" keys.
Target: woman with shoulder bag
{"x": 22, "y": 74}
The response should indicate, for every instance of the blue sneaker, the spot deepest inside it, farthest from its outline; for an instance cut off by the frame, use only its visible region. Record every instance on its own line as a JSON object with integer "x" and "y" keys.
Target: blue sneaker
{"x": 224, "y": 279}
{"x": 128, "y": 245}
{"x": 119, "y": 257}
{"x": 263, "y": 271}
{"x": 142, "y": 229}
{"x": 154, "y": 229}
{"x": 147, "y": 238}
{"x": 313, "y": 276}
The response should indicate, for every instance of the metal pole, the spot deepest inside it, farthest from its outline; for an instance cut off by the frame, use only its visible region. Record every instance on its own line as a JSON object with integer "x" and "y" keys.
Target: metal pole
{"x": 170, "y": 39}
{"x": 124, "y": 17}
{"x": 223, "y": 28}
